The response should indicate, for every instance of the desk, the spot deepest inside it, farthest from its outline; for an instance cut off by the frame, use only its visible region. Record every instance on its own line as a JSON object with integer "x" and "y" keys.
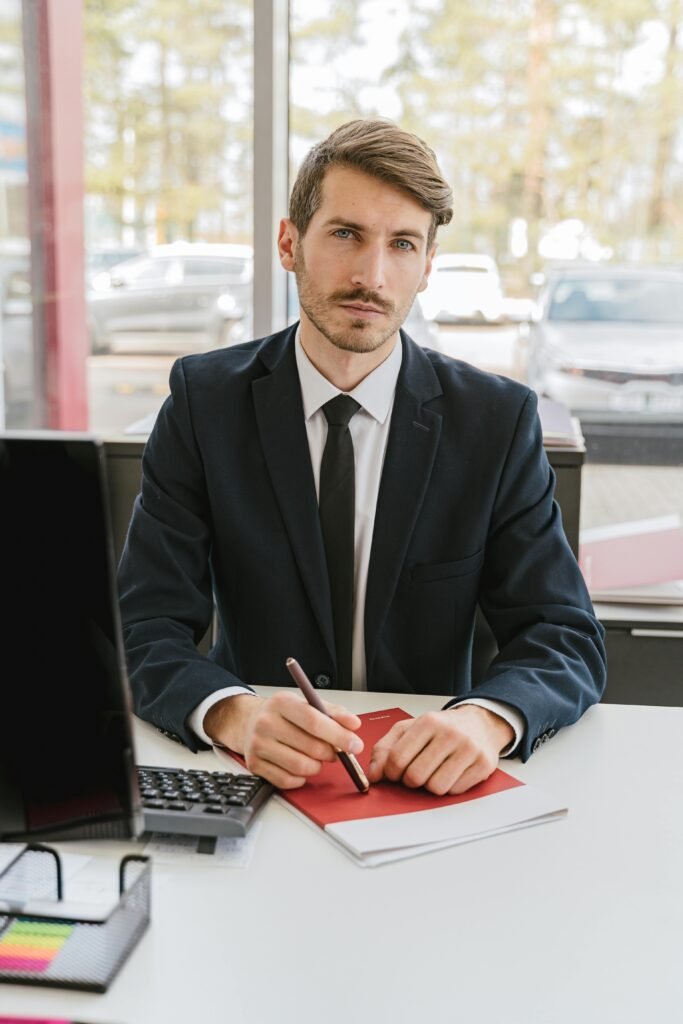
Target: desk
{"x": 574, "y": 921}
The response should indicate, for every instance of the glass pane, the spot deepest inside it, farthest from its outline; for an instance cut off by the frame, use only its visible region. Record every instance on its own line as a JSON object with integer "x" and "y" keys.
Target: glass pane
{"x": 142, "y": 112}
{"x": 16, "y": 341}
{"x": 168, "y": 130}
{"x": 558, "y": 127}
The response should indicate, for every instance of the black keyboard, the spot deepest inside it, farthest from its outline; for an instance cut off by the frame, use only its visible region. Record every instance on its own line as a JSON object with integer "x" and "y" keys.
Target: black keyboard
{"x": 197, "y": 803}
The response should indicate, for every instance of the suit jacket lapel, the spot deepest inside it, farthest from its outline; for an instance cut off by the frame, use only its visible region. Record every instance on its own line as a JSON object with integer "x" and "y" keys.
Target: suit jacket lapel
{"x": 411, "y": 449}
{"x": 280, "y": 417}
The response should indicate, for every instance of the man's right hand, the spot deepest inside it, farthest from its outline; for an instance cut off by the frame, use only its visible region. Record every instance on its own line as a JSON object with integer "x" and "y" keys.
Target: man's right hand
{"x": 282, "y": 738}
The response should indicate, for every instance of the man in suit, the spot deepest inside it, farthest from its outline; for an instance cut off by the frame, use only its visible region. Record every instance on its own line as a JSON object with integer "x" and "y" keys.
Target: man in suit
{"x": 452, "y": 508}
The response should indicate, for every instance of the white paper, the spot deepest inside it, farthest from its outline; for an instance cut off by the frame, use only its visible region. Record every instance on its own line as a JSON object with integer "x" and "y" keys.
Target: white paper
{"x": 8, "y": 853}
{"x": 451, "y": 824}
{"x": 229, "y": 852}
{"x": 368, "y": 841}
{"x": 90, "y": 889}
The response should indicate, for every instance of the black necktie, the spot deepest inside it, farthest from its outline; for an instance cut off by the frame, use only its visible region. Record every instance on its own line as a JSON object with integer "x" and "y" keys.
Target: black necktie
{"x": 337, "y": 504}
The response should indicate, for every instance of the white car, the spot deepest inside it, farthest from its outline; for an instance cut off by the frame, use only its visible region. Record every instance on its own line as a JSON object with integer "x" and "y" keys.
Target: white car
{"x": 463, "y": 288}
{"x": 609, "y": 340}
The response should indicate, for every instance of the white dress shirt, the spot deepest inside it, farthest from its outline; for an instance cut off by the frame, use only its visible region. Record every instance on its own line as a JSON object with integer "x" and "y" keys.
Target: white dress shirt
{"x": 369, "y": 429}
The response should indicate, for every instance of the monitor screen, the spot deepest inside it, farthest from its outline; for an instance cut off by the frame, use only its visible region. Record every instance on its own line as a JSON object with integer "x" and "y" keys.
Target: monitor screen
{"x": 66, "y": 754}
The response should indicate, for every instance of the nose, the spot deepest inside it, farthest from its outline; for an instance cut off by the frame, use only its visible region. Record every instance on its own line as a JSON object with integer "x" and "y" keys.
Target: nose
{"x": 369, "y": 267}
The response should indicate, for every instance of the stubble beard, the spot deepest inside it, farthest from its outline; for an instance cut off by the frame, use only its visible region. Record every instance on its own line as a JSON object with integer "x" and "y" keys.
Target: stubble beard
{"x": 355, "y": 335}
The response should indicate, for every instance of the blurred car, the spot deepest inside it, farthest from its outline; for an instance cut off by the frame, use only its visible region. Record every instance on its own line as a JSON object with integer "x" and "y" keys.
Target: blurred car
{"x": 102, "y": 258}
{"x": 609, "y": 339}
{"x": 16, "y": 341}
{"x": 415, "y": 324}
{"x": 425, "y": 332}
{"x": 463, "y": 288}
{"x": 177, "y": 296}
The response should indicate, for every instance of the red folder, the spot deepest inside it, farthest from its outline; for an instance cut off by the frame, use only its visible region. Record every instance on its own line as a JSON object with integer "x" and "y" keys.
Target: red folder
{"x": 392, "y": 822}
{"x": 331, "y": 796}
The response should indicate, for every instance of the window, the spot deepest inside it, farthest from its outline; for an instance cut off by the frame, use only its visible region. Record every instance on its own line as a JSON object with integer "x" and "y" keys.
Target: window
{"x": 166, "y": 140}
{"x": 558, "y": 127}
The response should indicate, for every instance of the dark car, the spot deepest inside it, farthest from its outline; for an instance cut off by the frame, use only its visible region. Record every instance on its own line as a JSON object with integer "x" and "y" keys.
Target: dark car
{"x": 180, "y": 296}
{"x": 608, "y": 339}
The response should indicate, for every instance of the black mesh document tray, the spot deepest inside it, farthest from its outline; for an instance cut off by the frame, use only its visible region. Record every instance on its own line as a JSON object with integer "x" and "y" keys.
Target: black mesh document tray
{"x": 58, "y": 949}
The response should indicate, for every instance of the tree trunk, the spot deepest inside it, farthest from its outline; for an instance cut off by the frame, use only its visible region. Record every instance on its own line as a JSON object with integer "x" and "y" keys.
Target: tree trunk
{"x": 666, "y": 127}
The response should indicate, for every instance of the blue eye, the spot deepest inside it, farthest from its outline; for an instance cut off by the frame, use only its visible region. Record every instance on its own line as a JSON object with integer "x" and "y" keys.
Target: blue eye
{"x": 343, "y": 233}
{"x": 404, "y": 244}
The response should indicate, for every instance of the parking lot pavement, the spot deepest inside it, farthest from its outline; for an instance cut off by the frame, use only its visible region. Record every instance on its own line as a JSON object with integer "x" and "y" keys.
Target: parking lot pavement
{"x": 619, "y": 494}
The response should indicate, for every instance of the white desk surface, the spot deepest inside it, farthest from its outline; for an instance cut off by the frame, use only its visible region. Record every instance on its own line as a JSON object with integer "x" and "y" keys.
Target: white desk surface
{"x": 574, "y": 921}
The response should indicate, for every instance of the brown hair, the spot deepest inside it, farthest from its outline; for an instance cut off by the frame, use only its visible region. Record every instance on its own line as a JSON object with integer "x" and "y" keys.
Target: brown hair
{"x": 382, "y": 149}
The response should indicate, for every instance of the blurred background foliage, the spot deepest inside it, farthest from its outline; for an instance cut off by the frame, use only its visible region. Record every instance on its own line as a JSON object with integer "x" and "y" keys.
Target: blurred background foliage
{"x": 557, "y": 122}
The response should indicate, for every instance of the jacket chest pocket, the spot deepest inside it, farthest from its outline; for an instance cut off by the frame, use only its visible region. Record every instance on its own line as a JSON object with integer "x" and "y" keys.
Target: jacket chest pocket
{"x": 432, "y": 572}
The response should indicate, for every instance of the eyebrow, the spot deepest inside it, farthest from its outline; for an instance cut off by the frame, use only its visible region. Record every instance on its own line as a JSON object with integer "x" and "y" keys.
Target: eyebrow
{"x": 342, "y": 223}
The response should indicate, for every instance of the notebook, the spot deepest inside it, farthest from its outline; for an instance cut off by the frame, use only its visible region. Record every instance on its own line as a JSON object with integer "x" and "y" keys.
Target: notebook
{"x": 559, "y": 427}
{"x": 67, "y": 759}
{"x": 392, "y": 822}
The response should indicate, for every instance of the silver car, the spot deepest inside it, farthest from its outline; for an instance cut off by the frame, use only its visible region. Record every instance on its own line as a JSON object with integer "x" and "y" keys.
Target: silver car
{"x": 609, "y": 339}
{"x": 176, "y": 297}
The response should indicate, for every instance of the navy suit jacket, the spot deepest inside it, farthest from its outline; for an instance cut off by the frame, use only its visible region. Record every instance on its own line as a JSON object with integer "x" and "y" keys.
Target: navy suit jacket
{"x": 465, "y": 515}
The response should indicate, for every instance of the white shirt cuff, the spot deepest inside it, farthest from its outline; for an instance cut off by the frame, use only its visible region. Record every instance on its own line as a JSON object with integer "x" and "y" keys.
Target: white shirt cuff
{"x": 195, "y": 719}
{"x": 511, "y": 715}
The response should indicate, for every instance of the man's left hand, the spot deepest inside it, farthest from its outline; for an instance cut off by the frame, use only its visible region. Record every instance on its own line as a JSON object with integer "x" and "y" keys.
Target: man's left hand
{"x": 444, "y": 751}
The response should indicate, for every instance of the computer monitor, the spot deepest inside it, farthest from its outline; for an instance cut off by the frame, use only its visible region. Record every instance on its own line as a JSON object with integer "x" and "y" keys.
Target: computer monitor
{"x": 67, "y": 762}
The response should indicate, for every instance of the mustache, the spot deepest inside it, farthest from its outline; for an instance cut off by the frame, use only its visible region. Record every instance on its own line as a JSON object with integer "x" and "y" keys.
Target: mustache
{"x": 360, "y": 295}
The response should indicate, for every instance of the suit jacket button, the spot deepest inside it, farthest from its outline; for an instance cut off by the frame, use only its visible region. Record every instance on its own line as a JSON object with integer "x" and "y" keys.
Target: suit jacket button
{"x": 323, "y": 681}
{"x": 537, "y": 743}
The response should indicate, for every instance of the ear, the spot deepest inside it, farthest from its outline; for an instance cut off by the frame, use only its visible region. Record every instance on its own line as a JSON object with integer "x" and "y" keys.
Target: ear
{"x": 287, "y": 240}
{"x": 428, "y": 269}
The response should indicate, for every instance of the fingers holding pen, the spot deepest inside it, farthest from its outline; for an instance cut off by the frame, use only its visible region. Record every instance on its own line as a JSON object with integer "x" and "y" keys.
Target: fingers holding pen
{"x": 288, "y": 741}
{"x": 336, "y": 728}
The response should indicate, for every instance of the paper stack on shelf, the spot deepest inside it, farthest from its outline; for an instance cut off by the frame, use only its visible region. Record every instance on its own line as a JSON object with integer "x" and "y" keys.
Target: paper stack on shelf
{"x": 560, "y": 428}
{"x": 639, "y": 562}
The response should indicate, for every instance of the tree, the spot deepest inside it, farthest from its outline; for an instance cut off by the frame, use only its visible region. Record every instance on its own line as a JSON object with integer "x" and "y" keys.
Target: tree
{"x": 169, "y": 114}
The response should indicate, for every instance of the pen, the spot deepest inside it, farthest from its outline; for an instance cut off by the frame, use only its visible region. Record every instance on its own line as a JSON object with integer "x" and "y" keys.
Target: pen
{"x": 348, "y": 760}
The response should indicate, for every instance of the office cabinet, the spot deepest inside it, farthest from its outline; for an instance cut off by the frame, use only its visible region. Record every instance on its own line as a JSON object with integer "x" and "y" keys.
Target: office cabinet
{"x": 644, "y": 654}
{"x": 124, "y": 468}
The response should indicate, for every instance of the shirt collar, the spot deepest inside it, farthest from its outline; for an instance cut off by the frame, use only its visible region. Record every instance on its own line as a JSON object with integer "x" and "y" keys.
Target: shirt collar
{"x": 374, "y": 394}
